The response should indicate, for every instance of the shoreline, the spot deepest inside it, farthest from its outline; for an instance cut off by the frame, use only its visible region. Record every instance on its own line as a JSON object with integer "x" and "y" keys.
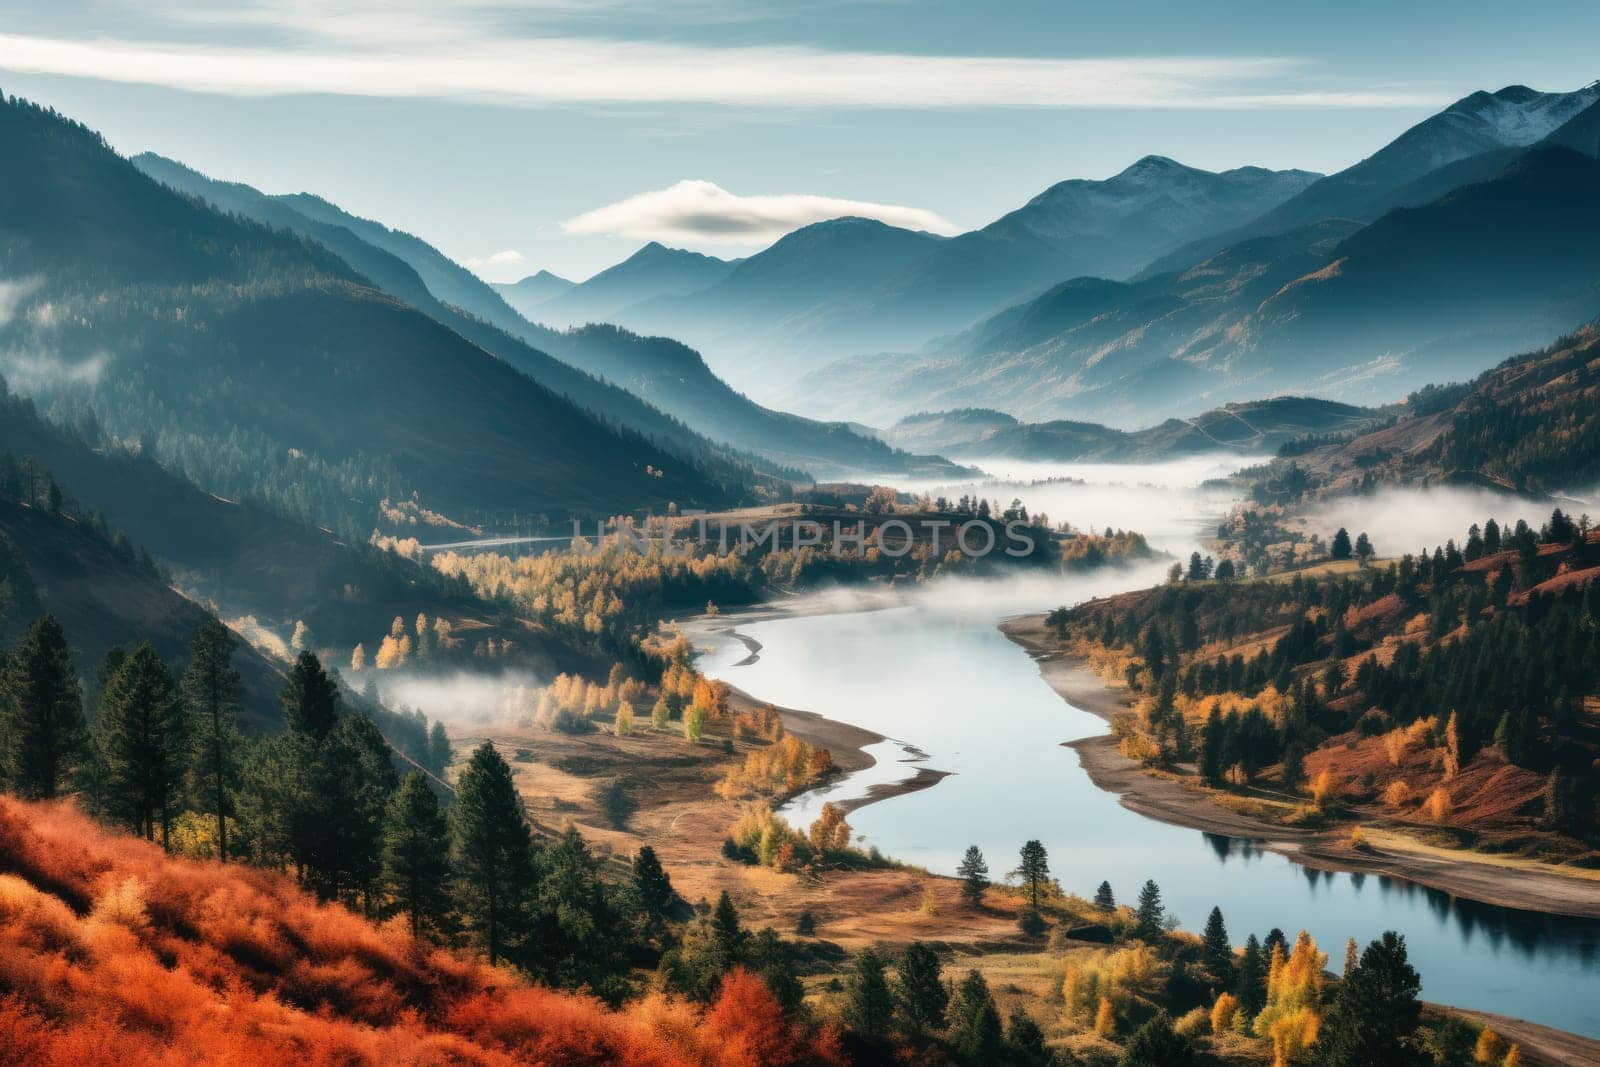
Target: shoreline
{"x": 1163, "y": 799}
{"x": 1171, "y": 801}
{"x": 845, "y": 742}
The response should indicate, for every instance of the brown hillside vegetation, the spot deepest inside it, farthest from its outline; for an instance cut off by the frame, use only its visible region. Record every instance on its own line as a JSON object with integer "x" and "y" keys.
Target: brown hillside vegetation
{"x": 112, "y": 952}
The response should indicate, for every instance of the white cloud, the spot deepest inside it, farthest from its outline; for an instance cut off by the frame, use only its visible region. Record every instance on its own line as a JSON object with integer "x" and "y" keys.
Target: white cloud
{"x": 510, "y": 257}
{"x": 701, "y": 212}
{"x": 444, "y": 55}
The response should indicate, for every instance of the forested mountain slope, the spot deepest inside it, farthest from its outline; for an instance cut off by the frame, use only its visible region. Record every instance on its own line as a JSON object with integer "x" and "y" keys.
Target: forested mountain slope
{"x": 58, "y": 558}
{"x": 1423, "y": 294}
{"x": 525, "y": 346}
{"x": 256, "y": 359}
{"x": 580, "y": 364}
{"x": 1531, "y": 424}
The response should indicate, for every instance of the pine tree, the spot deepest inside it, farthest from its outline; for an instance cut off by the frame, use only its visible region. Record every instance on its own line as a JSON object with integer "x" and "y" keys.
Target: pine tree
{"x": 578, "y": 926}
{"x": 439, "y": 753}
{"x": 974, "y": 874}
{"x": 869, "y": 1008}
{"x": 1341, "y": 544}
{"x": 1376, "y": 1008}
{"x": 1103, "y": 898}
{"x": 1157, "y": 1044}
{"x": 143, "y": 739}
{"x": 416, "y": 854}
{"x": 493, "y": 852}
{"x": 652, "y": 889}
{"x": 347, "y": 782}
{"x": 310, "y": 699}
{"x": 1212, "y": 744}
{"x": 211, "y": 689}
{"x": 922, "y": 992}
{"x": 1151, "y": 914}
{"x": 1034, "y": 869}
{"x": 725, "y": 925}
{"x": 1217, "y": 951}
{"x": 1250, "y": 986}
{"x": 42, "y": 730}
{"x": 974, "y": 1021}
{"x": 1025, "y": 1044}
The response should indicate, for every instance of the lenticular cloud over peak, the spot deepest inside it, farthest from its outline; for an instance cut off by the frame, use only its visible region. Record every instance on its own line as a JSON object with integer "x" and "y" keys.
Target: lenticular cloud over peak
{"x": 700, "y": 212}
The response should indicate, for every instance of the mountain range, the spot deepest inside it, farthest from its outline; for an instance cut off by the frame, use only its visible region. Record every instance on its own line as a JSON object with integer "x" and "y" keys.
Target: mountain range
{"x": 652, "y": 272}
{"x": 261, "y": 363}
{"x": 852, "y": 285}
{"x": 708, "y": 423}
{"x": 1501, "y": 257}
{"x": 1254, "y": 427}
{"x": 1392, "y": 177}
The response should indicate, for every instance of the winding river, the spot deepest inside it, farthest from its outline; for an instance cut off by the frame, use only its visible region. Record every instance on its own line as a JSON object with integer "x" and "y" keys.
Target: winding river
{"x": 933, "y": 673}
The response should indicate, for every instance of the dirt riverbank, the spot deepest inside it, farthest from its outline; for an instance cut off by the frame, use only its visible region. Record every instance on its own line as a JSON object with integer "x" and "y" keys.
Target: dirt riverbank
{"x": 1483, "y": 878}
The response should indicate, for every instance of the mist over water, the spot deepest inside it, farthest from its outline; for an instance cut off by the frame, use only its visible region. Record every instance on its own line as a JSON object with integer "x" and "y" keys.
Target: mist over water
{"x": 927, "y": 668}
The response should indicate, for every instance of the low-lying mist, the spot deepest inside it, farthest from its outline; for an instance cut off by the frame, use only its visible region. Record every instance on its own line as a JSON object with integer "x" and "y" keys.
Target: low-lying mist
{"x": 1411, "y": 520}
{"x": 460, "y": 697}
{"x": 1163, "y": 501}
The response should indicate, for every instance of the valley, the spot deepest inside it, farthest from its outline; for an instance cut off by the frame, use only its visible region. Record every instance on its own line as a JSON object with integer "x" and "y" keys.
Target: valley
{"x": 676, "y": 626}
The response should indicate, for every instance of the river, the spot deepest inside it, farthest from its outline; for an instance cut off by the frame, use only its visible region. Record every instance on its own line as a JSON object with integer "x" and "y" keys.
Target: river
{"x": 933, "y": 673}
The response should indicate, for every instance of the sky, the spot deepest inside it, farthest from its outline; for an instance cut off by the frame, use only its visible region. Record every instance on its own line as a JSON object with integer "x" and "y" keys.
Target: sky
{"x": 563, "y": 134}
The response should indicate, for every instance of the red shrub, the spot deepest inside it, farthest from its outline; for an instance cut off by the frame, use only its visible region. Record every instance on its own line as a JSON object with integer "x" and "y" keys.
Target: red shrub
{"x": 113, "y": 953}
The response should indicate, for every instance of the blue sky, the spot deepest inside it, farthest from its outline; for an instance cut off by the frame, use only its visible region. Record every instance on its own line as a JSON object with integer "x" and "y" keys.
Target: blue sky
{"x": 524, "y": 135}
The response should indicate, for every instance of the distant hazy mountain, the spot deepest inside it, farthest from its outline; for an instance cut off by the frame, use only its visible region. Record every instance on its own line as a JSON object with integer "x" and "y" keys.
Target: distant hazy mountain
{"x": 1514, "y": 117}
{"x": 1259, "y": 426}
{"x": 653, "y": 271}
{"x": 609, "y": 372}
{"x": 261, "y": 363}
{"x": 396, "y": 277}
{"x": 535, "y": 289}
{"x": 1062, "y": 354}
{"x": 1433, "y": 292}
{"x": 674, "y": 376}
{"x": 856, "y": 285}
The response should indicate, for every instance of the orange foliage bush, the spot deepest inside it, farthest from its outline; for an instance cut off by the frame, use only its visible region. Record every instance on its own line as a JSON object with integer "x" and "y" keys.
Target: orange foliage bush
{"x": 112, "y": 952}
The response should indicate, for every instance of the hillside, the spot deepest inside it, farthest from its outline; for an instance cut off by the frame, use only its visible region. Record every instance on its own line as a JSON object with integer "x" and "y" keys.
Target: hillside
{"x": 258, "y": 361}
{"x": 1254, "y": 427}
{"x": 1498, "y": 262}
{"x": 1362, "y": 315}
{"x": 676, "y": 378}
{"x": 666, "y": 391}
{"x": 1531, "y": 424}
{"x": 115, "y": 952}
{"x": 249, "y": 560}
{"x": 1478, "y": 124}
{"x": 104, "y": 595}
{"x": 1445, "y": 699}
{"x": 521, "y": 344}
